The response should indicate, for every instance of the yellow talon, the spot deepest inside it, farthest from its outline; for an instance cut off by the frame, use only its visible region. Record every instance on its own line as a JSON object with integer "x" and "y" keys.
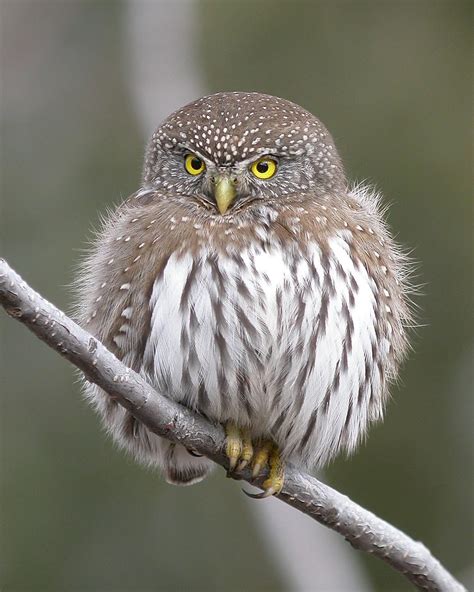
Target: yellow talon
{"x": 247, "y": 450}
{"x": 233, "y": 447}
{"x": 273, "y": 484}
{"x": 240, "y": 452}
{"x": 261, "y": 457}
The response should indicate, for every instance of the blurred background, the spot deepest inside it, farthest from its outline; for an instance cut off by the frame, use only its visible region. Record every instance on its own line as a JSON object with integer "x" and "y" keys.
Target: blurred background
{"x": 83, "y": 84}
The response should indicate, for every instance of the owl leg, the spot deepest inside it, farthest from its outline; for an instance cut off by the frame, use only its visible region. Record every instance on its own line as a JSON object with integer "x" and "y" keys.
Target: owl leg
{"x": 240, "y": 451}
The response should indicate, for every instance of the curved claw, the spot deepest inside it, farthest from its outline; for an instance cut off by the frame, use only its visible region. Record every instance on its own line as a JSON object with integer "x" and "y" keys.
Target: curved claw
{"x": 267, "y": 493}
{"x": 194, "y": 453}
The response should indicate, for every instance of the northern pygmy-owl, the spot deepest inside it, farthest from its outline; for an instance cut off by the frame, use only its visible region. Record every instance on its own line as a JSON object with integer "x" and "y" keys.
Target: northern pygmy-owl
{"x": 248, "y": 281}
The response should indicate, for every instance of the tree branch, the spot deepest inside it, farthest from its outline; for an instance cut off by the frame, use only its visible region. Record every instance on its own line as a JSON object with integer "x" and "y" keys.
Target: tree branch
{"x": 361, "y": 528}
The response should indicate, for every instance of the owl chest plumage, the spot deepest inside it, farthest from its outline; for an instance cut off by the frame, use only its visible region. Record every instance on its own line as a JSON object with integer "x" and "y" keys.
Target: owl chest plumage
{"x": 291, "y": 328}
{"x": 274, "y": 337}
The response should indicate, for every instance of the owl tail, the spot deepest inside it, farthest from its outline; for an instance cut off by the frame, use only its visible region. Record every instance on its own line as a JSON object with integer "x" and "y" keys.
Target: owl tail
{"x": 183, "y": 467}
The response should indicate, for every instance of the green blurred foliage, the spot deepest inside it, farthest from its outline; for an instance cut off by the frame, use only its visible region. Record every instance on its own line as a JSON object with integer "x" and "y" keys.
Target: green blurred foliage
{"x": 392, "y": 82}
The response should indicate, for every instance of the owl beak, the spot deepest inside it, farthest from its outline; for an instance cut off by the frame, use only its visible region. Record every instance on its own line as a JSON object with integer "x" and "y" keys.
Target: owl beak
{"x": 224, "y": 193}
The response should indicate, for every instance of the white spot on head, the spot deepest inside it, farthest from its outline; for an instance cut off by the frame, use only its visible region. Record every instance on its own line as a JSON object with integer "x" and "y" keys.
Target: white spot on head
{"x": 127, "y": 312}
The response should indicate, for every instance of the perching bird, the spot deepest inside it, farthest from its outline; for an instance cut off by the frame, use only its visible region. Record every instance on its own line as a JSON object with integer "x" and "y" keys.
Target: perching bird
{"x": 247, "y": 280}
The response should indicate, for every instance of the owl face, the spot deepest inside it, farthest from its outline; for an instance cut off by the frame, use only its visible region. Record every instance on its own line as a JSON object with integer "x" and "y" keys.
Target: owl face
{"x": 230, "y": 150}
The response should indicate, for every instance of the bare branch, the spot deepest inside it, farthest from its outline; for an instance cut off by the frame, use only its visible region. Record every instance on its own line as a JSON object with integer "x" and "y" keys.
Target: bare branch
{"x": 361, "y": 528}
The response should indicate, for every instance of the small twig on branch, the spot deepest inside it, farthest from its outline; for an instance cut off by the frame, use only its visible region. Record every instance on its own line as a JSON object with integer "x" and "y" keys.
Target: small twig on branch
{"x": 361, "y": 528}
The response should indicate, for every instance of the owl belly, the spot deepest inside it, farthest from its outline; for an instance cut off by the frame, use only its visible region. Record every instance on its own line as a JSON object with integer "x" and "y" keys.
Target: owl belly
{"x": 277, "y": 340}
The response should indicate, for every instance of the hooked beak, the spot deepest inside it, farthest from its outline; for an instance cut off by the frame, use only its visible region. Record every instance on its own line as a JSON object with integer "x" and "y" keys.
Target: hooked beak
{"x": 224, "y": 193}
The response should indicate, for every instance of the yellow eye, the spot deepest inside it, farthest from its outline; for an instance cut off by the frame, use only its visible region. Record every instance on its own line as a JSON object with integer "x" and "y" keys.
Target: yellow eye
{"x": 264, "y": 168}
{"x": 194, "y": 165}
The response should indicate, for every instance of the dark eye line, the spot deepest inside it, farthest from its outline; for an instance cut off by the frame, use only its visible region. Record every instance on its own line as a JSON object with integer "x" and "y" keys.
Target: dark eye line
{"x": 276, "y": 159}
{"x": 184, "y": 151}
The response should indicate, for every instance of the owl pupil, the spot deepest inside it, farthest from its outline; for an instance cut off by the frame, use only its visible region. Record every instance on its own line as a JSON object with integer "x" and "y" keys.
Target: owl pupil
{"x": 262, "y": 167}
{"x": 196, "y": 164}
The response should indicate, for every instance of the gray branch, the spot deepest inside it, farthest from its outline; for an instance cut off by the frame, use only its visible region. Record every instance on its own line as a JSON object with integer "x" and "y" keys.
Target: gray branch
{"x": 361, "y": 528}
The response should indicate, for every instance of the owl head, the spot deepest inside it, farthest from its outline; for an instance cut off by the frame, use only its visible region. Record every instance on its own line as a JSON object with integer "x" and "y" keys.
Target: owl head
{"x": 231, "y": 149}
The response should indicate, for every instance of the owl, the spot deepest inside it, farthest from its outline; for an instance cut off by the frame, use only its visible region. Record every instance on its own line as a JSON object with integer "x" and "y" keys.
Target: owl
{"x": 247, "y": 280}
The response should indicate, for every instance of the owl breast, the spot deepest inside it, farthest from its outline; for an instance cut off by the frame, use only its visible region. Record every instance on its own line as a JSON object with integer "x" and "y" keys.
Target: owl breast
{"x": 279, "y": 339}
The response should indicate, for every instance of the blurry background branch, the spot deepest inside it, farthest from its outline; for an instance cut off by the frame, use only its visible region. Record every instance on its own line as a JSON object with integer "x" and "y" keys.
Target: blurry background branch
{"x": 361, "y": 528}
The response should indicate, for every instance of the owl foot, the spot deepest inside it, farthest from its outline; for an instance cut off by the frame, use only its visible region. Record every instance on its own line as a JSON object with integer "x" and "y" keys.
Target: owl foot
{"x": 269, "y": 454}
{"x": 240, "y": 452}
